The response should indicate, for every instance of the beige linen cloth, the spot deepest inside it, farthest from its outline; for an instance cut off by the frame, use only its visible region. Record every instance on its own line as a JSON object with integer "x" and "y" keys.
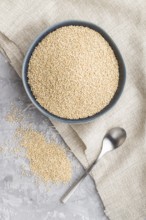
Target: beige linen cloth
{"x": 120, "y": 176}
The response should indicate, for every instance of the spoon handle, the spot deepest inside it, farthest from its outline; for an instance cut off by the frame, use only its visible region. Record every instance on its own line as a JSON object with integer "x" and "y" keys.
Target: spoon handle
{"x": 73, "y": 188}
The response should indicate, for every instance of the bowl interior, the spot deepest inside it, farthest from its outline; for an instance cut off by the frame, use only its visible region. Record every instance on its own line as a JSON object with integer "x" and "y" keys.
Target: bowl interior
{"x": 122, "y": 70}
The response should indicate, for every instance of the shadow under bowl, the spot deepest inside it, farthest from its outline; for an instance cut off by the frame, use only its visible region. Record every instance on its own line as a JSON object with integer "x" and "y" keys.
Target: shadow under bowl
{"x": 122, "y": 71}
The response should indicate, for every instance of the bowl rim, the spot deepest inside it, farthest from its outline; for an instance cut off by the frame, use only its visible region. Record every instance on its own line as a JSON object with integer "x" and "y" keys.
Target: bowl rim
{"x": 40, "y": 37}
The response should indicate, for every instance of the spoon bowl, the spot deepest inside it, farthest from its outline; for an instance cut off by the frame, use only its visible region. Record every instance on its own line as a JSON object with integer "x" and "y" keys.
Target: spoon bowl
{"x": 116, "y": 136}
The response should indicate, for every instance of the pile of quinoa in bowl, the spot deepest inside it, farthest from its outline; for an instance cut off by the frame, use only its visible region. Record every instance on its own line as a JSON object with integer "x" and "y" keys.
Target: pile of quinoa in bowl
{"x": 73, "y": 73}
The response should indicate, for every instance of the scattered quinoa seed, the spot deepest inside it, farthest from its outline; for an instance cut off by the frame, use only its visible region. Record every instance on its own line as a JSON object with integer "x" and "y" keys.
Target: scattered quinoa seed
{"x": 73, "y": 72}
{"x": 48, "y": 161}
{"x": 14, "y": 115}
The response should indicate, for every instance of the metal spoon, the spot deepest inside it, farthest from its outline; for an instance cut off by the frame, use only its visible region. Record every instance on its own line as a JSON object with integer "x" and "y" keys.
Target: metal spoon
{"x": 112, "y": 139}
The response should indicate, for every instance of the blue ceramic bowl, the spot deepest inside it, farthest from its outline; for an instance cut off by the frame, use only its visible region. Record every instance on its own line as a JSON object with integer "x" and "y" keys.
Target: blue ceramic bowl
{"x": 122, "y": 71}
